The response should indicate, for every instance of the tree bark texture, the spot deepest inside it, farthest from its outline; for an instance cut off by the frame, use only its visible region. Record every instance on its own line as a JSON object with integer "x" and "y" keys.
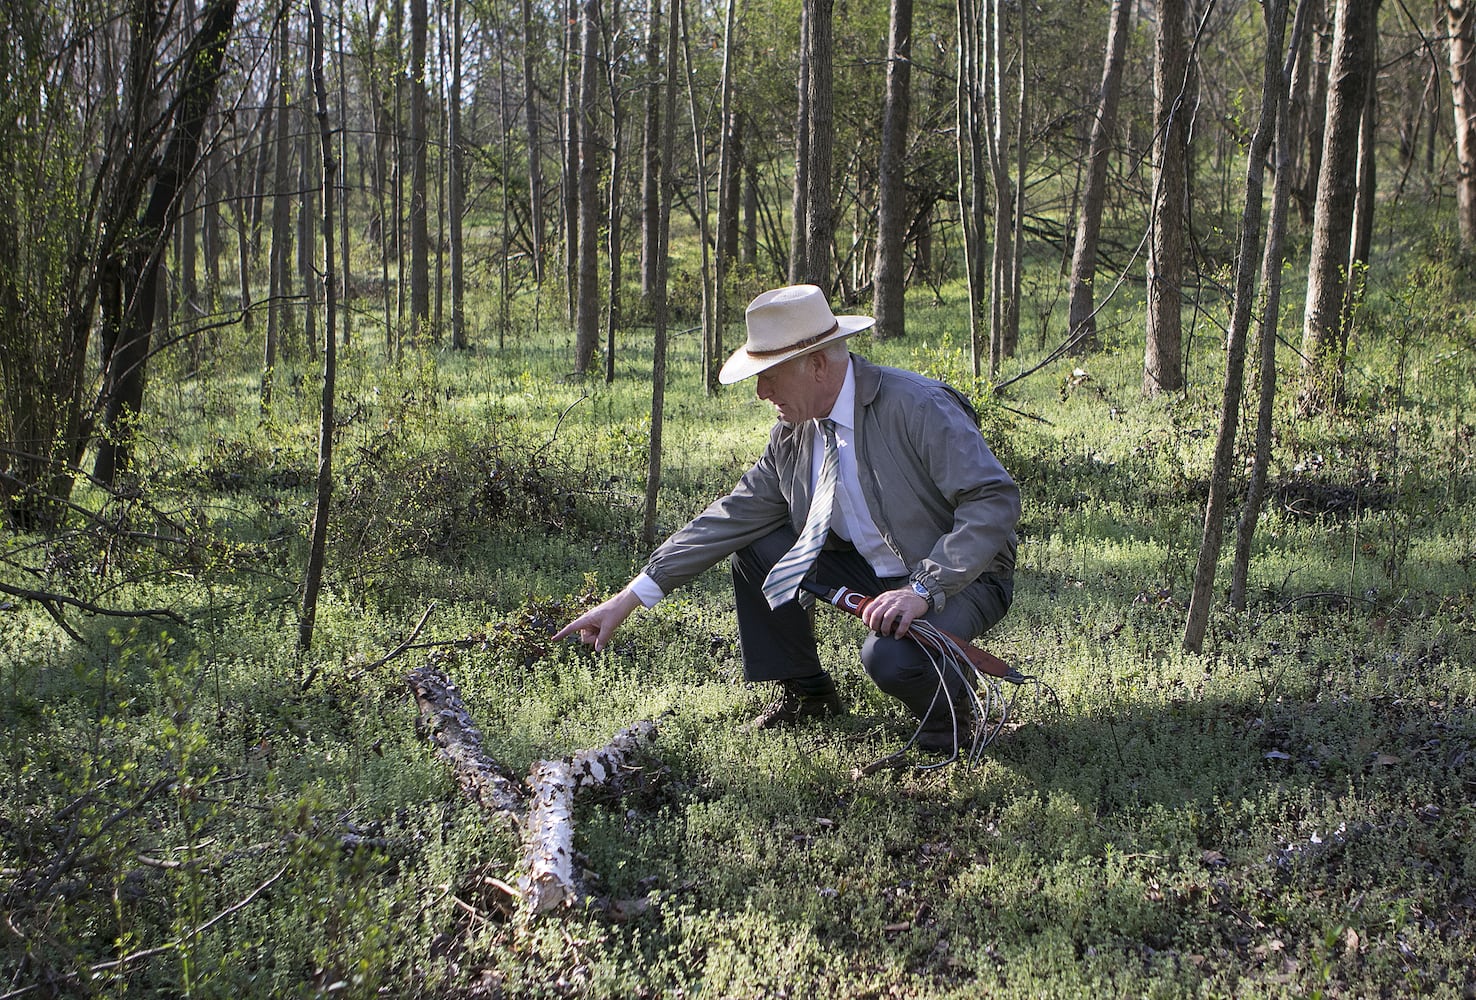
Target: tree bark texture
{"x": 1324, "y": 330}
{"x": 1082, "y": 308}
{"x": 1460, "y": 19}
{"x": 543, "y": 806}
{"x": 799, "y": 267}
{"x": 587, "y": 297}
{"x": 889, "y": 279}
{"x": 1271, "y": 262}
{"x": 419, "y": 175}
{"x": 531, "y": 115}
{"x": 127, "y": 357}
{"x": 1212, "y": 533}
{"x": 820, "y": 126}
{"x": 323, "y": 486}
{"x": 1163, "y": 357}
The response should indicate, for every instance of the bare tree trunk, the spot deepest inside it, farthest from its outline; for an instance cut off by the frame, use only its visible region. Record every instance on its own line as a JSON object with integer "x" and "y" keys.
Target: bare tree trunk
{"x": 279, "y": 284}
{"x": 572, "y": 142}
{"x": 1324, "y": 331}
{"x": 1001, "y": 280}
{"x": 799, "y": 265}
{"x": 587, "y": 300}
{"x": 323, "y": 489}
{"x": 666, "y": 184}
{"x": 1272, "y": 95}
{"x": 1082, "y": 310}
{"x": 504, "y": 256}
{"x": 1461, "y": 23}
{"x": 307, "y": 220}
{"x": 651, "y": 159}
{"x": 419, "y": 179}
{"x": 1309, "y": 108}
{"x": 346, "y": 285}
{"x": 126, "y": 358}
{"x": 535, "y": 157}
{"x": 456, "y": 188}
{"x": 614, "y": 71}
{"x": 889, "y": 279}
{"x": 1163, "y": 360}
{"x": 727, "y": 207}
{"x": 1270, "y": 317}
{"x": 971, "y": 170}
{"x": 819, "y": 212}
{"x": 710, "y": 362}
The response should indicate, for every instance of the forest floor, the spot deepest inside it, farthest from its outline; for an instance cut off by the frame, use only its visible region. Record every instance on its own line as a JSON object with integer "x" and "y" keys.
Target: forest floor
{"x": 191, "y": 806}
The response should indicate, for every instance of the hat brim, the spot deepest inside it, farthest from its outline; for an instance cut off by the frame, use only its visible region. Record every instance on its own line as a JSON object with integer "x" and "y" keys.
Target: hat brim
{"x": 741, "y": 365}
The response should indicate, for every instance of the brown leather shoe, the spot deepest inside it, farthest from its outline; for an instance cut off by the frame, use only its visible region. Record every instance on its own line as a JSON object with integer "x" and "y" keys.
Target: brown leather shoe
{"x": 792, "y": 705}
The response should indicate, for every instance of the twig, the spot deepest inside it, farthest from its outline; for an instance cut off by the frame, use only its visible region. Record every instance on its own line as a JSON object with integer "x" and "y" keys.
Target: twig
{"x": 404, "y": 646}
{"x": 560, "y": 423}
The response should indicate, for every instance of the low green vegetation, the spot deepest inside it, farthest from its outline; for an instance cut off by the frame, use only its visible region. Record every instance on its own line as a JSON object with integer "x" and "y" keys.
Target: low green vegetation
{"x": 190, "y": 806}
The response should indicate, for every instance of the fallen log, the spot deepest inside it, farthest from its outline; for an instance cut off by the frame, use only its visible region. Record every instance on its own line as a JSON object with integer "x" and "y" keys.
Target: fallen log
{"x": 542, "y": 806}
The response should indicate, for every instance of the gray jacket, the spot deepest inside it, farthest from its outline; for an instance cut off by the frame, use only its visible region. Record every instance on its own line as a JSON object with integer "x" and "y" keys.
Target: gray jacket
{"x": 938, "y": 495}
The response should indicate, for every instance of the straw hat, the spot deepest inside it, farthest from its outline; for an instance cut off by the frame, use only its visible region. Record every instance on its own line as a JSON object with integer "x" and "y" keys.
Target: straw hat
{"x": 783, "y": 324}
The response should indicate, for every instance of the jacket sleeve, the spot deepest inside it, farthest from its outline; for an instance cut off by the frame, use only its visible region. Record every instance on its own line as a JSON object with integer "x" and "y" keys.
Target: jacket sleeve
{"x": 969, "y": 479}
{"x": 757, "y": 505}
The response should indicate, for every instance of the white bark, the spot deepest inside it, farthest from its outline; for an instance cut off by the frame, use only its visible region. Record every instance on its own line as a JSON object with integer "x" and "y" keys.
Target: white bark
{"x": 544, "y": 807}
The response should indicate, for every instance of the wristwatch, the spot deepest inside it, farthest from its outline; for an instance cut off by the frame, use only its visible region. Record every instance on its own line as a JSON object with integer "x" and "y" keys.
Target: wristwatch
{"x": 921, "y": 591}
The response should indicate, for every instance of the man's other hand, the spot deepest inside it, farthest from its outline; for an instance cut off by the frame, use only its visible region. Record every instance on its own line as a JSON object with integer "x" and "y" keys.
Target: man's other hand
{"x": 893, "y": 612}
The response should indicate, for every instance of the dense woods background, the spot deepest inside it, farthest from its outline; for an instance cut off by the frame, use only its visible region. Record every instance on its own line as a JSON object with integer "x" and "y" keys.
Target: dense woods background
{"x": 378, "y": 305}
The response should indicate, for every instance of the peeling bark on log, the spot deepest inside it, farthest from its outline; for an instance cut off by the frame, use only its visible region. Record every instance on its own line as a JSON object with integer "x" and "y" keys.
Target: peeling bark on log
{"x": 544, "y": 807}
{"x": 548, "y": 838}
{"x": 444, "y": 716}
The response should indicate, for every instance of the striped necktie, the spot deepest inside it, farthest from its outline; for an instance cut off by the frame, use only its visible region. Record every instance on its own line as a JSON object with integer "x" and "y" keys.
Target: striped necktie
{"x": 784, "y": 579}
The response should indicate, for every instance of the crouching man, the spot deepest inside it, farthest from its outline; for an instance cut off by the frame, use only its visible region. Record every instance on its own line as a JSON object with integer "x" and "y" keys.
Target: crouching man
{"x": 874, "y": 478}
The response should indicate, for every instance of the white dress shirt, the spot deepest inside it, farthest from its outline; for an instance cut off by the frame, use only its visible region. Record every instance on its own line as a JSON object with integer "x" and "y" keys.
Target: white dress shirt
{"x": 849, "y": 518}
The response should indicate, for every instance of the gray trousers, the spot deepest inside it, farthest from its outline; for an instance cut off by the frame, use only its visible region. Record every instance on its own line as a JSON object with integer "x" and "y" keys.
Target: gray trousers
{"x": 779, "y": 644}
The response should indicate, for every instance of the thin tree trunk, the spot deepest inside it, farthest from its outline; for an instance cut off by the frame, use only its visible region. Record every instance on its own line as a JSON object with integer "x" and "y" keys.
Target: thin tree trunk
{"x": 651, "y": 160}
{"x": 820, "y": 124}
{"x": 1270, "y": 317}
{"x": 1082, "y": 309}
{"x": 710, "y": 363}
{"x": 323, "y": 489}
{"x": 1212, "y": 535}
{"x": 1163, "y": 359}
{"x": 613, "y": 30}
{"x": 1461, "y": 23}
{"x": 346, "y": 285}
{"x": 889, "y": 279}
{"x": 279, "y": 284}
{"x": 727, "y": 207}
{"x": 307, "y": 219}
{"x": 1001, "y": 281}
{"x": 535, "y": 156}
{"x": 587, "y": 300}
{"x": 456, "y": 194}
{"x": 419, "y": 175}
{"x": 971, "y": 171}
{"x": 572, "y": 144}
{"x": 799, "y": 265}
{"x": 666, "y": 183}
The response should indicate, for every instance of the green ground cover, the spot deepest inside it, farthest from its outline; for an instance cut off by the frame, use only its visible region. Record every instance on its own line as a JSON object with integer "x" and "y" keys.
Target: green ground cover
{"x": 1289, "y": 813}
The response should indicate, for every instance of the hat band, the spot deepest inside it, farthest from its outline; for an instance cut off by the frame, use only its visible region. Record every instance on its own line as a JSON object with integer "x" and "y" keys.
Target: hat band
{"x": 807, "y": 342}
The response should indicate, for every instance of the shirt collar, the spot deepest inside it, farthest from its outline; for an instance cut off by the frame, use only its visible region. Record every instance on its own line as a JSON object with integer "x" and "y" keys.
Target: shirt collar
{"x": 843, "y": 410}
